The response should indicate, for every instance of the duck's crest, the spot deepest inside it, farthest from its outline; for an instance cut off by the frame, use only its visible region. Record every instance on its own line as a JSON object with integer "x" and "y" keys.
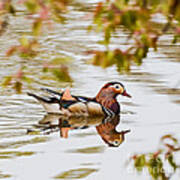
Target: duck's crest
{"x": 67, "y": 95}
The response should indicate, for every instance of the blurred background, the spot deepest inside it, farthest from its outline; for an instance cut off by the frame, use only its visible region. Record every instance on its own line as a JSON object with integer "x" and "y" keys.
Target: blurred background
{"x": 83, "y": 45}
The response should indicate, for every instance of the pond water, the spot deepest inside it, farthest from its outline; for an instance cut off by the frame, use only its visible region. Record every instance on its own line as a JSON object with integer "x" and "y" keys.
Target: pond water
{"x": 153, "y": 110}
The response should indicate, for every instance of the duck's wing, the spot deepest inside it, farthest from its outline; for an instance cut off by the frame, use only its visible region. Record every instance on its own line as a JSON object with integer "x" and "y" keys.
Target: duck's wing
{"x": 60, "y": 94}
{"x": 84, "y": 105}
{"x": 81, "y": 105}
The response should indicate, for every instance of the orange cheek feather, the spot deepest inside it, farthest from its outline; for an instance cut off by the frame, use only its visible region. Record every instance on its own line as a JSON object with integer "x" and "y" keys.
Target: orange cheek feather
{"x": 119, "y": 91}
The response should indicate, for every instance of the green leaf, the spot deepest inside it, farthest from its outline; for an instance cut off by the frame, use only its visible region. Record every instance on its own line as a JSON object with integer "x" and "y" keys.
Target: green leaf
{"x": 7, "y": 81}
{"x": 45, "y": 69}
{"x": 155, "y": 167}
{"x": 32, "y": 6}
{"x": 175, "y": 39}
{"x": 24, "y": 41}
{"x": 61, "y": 60}
{"x": 140, "y": 162}
{"x": 18, "y": 86}
{"x": 171, "y": 161}
{"x": 11, "y": 9}
{"x": 37, "y": 26}
{"x": 62, "y": 74}
{"x": 27, "y": 79}
{"x": 140, "y": 53}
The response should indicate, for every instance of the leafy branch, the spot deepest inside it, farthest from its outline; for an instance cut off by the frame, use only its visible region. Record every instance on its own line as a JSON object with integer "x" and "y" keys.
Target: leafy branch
{"x": 136, "y": 18}
{"x": 155, "y": 162}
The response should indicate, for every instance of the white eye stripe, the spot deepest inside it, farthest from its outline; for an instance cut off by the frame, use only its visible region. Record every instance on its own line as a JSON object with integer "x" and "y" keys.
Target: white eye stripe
{"x": 117, "y": 86}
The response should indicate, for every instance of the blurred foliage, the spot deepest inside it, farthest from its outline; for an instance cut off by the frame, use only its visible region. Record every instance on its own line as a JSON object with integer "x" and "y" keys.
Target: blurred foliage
{"x": 134, "y": 16}
{"x": 42, "y": 13}
{"x": 159, "y": 163}
{"x": 16, "y": 80}
{"x": 58, "y": 67}
{"x": 27, "y": 48}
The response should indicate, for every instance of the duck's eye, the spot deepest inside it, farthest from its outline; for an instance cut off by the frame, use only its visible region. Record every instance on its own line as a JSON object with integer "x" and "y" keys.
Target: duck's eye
{"x": 117, "y": 86}
{"x": 116, "y": 143}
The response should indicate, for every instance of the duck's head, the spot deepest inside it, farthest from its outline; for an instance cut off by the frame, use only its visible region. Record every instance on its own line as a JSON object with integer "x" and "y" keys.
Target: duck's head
{"x": 114, "y": 138}
{"x": 113, "y": 89}
{"x": 117, "y": 139}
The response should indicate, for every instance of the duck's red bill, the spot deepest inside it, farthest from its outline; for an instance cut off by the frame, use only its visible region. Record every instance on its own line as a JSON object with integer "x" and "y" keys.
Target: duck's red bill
{"x": 126, "y": 94}
{"x": 126, "y": 131}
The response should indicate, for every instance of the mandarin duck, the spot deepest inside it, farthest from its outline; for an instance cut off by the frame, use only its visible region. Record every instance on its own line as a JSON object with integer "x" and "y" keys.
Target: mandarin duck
{"x": 103, "y": 104}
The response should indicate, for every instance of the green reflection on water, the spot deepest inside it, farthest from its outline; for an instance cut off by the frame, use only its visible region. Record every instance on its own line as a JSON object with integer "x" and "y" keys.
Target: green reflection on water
{"x": 76, "y": 173}
{"x": 170, "y": 91}
{"x": 89, "y": 150}
{"x": 18, "y": 144}
{"x": 3, "y": 176}
{"x": 12, "y": 154}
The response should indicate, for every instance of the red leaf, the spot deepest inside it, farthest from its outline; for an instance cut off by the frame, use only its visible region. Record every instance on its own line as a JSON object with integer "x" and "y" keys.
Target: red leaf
{"x": 10, "y": 51}
{"x": 44, "y": 13}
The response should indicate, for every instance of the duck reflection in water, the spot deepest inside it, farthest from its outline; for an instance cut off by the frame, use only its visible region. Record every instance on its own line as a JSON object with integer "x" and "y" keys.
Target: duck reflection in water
{"x": 105, "y": 126}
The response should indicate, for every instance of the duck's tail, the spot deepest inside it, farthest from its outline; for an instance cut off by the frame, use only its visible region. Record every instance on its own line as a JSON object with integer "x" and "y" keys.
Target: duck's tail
{"x": 39, "y": 98}
{"x": 50, "y": 104}
{"x": 53, "y": 93}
